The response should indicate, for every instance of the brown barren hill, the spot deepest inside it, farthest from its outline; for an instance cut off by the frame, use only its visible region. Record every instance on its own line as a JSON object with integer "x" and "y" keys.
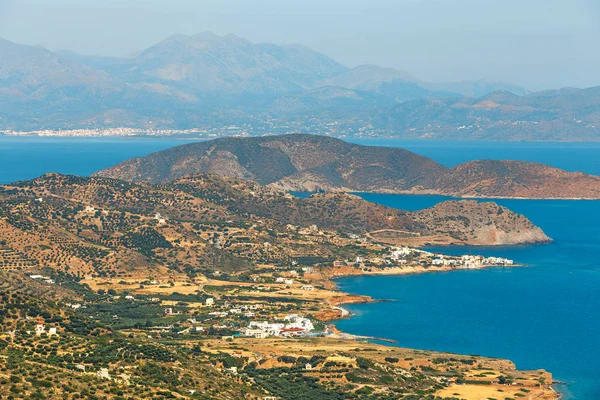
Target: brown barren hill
{"x": 516, "y": 179}
{"x": 317, "y": 163}
{"x": 464, "y": 222}
{"x": 274, "y": 159}
{"x": 480, "y": 223}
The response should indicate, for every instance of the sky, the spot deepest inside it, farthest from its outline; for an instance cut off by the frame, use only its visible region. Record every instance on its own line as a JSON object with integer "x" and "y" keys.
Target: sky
{"x": 539, "y": 44}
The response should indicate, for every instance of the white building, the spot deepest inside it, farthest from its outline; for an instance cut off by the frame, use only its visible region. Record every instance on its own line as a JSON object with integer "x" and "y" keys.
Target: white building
{"x": 256, "y": 333}
{"x": 296, "y": 321}
{"x": 40, "y": 328}
{"x": 218, "y": 313}
{"x": 400, "y": 252}
{"x": 170, "y": 311}
{"x": 103, "y": 373}
{"x": 285, "y": 281}
{"x": 268, "y": 328}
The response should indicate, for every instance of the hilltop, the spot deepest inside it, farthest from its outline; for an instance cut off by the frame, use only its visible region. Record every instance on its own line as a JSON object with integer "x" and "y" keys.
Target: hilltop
{"x": 317, "y": 163}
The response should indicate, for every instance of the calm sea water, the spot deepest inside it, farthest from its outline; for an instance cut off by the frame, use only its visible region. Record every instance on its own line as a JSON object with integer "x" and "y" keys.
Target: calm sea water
{"x": 30, "y": 157}
{"x": 545, "y": 315}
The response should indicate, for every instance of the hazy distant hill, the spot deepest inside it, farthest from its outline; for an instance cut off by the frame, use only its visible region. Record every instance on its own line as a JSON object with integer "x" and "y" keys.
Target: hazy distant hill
{"x": 228, "y": 66}
{"x": 228, "y": 85}
{"x": 397, "y": 85}
{"x": 315, "y": 163}
{"x": 564, "y": 115}
{"x": 474, "y": 88}
{"x": 36, "y": 77}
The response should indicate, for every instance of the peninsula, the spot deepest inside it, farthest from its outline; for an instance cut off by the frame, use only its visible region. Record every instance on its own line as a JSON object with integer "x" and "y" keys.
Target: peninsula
{"x": 213, "y": 287}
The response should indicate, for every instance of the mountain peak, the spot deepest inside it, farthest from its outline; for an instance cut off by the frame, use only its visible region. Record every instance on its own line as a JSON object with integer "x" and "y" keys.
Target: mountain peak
{"x": 206, "y": 35}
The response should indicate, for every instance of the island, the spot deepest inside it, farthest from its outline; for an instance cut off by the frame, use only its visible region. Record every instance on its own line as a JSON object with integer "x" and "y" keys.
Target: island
{"x": 315, "y": 163}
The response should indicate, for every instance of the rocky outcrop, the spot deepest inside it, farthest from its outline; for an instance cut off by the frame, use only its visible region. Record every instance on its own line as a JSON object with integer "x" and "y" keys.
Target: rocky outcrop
{"x": 480, "y": 223}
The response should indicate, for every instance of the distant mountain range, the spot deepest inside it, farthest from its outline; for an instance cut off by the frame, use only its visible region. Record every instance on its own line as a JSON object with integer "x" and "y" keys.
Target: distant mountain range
{"x": 317, "y": 163}
{"x": 228, "y": 85}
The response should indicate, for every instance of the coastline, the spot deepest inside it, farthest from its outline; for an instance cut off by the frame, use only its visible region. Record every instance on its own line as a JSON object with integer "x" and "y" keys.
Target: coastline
{"x": 341, "y": 272}
{"x": 342, "y": 298}
{"x": 449, "y": 196}
{"x": 336, "y": 303}
{"x": 351, "y": 139}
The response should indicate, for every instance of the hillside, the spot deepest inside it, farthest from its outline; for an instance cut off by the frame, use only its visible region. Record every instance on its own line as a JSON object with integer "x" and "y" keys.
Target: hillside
{"x": 117, "y": 290}
{"x": 196, "y": 224}
{"x": 314, "y": 163}
{"x": 516, "y": 179}
{"x": 109, "y": 346}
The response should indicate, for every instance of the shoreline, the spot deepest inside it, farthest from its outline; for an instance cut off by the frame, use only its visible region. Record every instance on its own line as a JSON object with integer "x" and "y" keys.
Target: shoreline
{"x": 344, "y": 298}
{"x": 401, "y": 271}
{"x": 454, "y": 196}
{"x": 352, "y": 298}
{"x": 342, "y": 137}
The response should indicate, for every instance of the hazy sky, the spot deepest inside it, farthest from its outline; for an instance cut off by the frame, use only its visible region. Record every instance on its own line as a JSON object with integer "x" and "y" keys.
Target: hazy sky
{"x": 535, "y": 43}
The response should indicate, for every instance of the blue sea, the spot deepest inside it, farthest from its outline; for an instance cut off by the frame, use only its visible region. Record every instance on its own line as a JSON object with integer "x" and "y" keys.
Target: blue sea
{"x": 543, "y": 315}
{"x": 29, "y": 157}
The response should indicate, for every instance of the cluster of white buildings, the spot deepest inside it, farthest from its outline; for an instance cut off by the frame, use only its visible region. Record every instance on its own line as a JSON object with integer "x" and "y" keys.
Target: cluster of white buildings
{"x": 470, "y": 261}
{"x": 399, "y": 254}
{"x": 40, "y": 329}
{"x": 99, "y": 132}
{"x": 293, "y": 325}
{"x": 498, "y": 261}
{"x": 75, "y": 306}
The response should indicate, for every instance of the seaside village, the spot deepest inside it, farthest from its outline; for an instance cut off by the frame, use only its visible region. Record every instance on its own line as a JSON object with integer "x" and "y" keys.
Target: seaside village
{"x": 266, "y": 302}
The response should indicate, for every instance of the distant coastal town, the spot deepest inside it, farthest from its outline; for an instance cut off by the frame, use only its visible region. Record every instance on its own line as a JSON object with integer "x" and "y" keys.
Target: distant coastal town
{"x": 101, "y": 132}
{"x": 258, "y": 128}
